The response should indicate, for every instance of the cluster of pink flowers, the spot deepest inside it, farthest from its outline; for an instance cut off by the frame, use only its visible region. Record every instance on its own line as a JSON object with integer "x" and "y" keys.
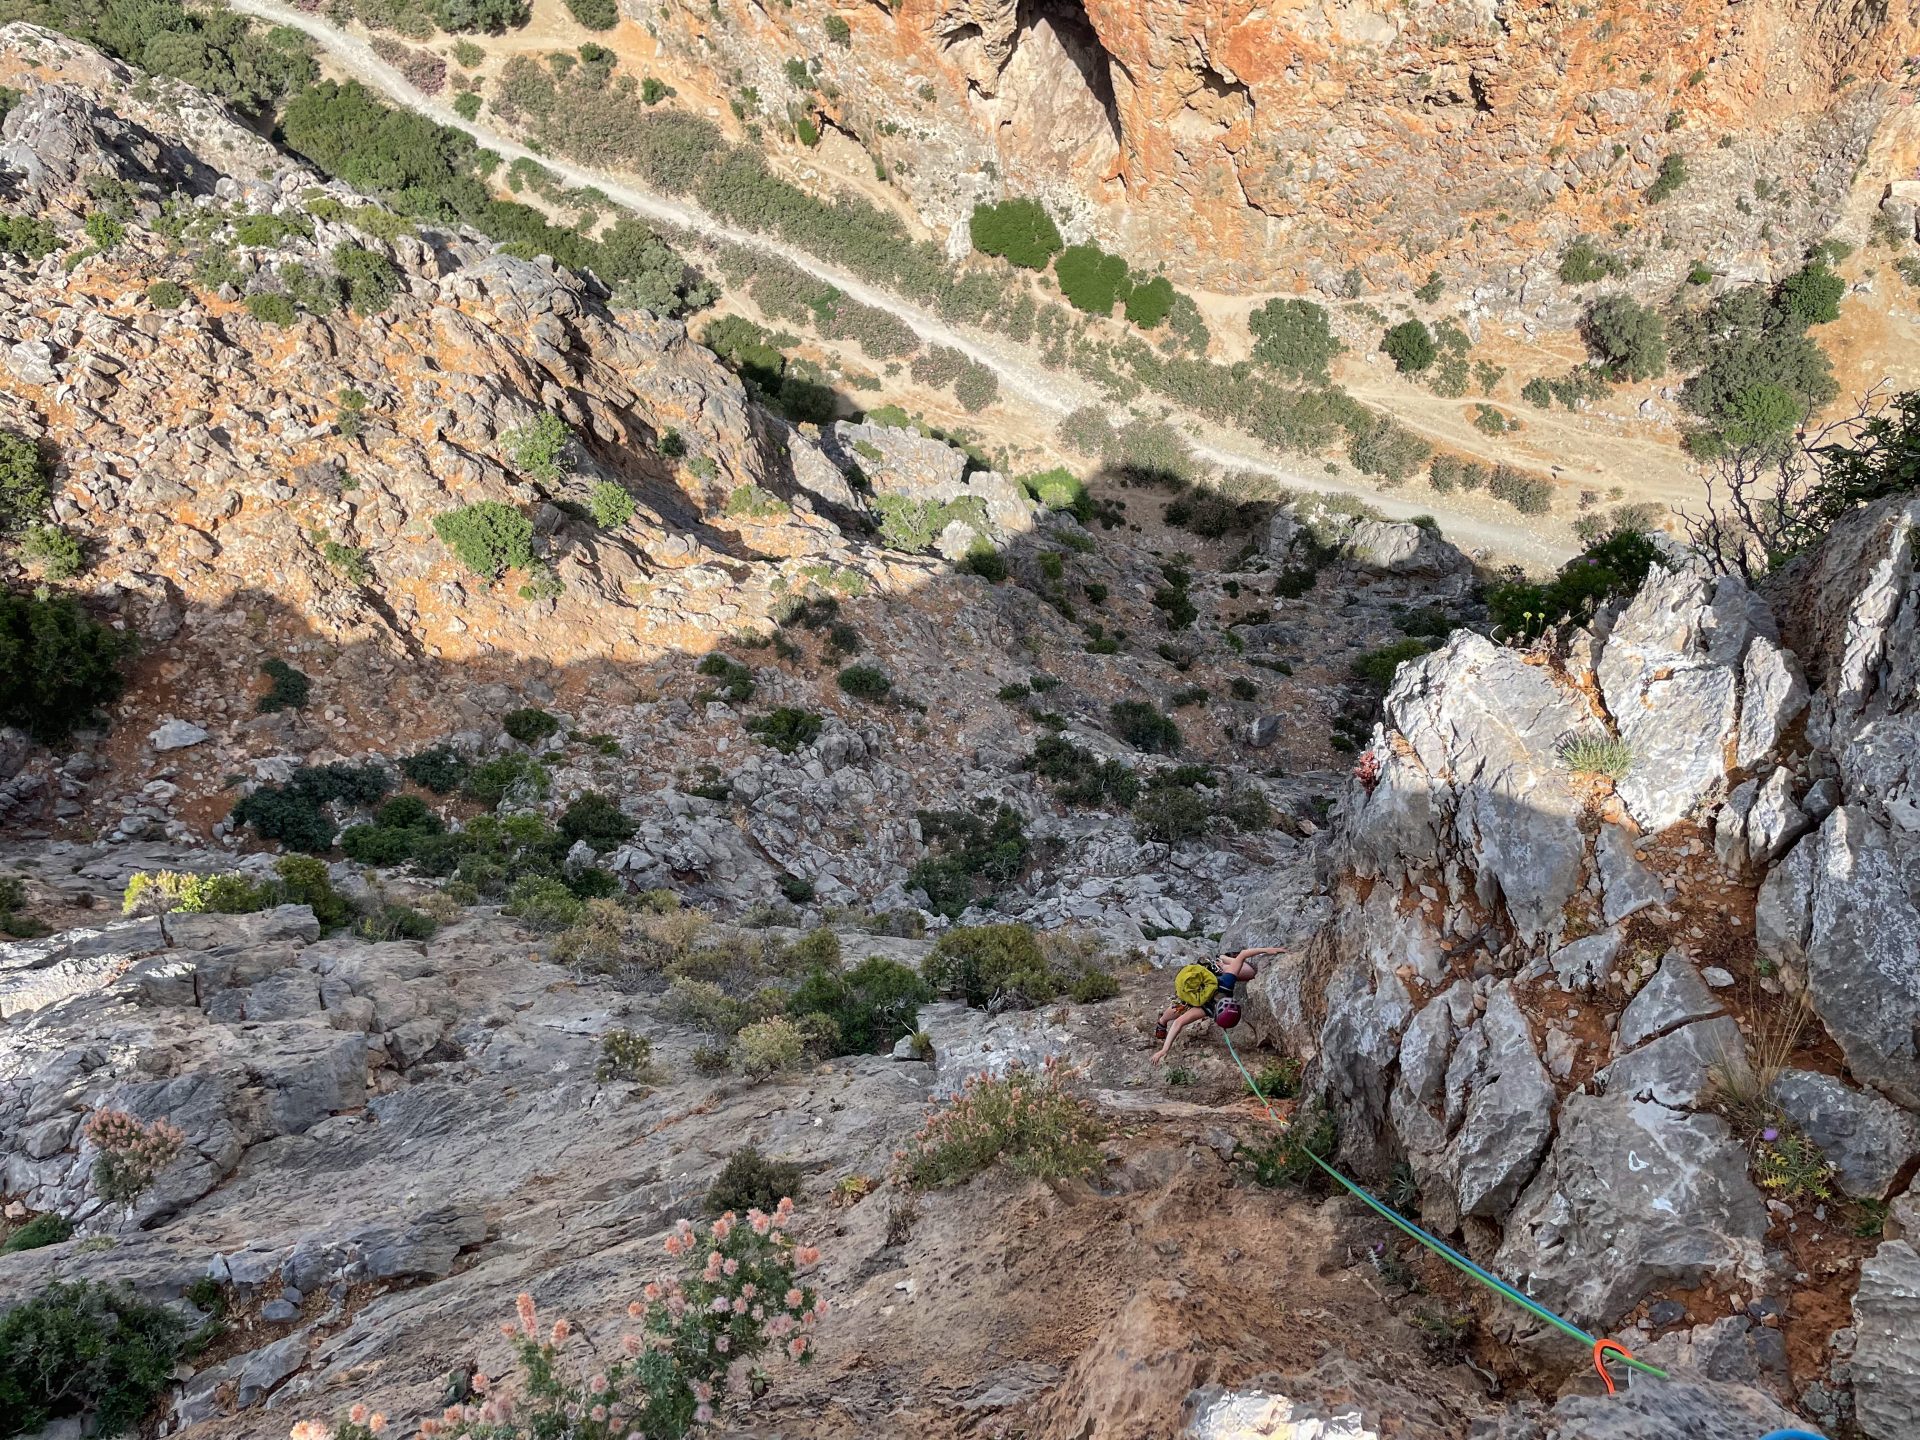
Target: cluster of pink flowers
{"x": 1367, "y": 771}
{"x": 131, "y": 1154}
{"x": 361, "y": 1424}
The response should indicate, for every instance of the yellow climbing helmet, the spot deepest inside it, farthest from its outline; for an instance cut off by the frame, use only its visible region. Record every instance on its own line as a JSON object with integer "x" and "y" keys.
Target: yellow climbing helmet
{"x": 1195, "y": 984}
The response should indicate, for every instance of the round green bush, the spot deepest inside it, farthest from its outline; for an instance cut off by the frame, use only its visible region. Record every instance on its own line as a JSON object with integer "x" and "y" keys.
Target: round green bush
{"x": 1017, "y": 230}
{"x": 1410, "y": 346}
{"x": 1091, "y": 279}
{"x": 165, "y": 295}
{"x": 529, "y": 724}
{"x": 865, "y": 682}
{"x": 489, "y": 537}
{"x": 978, "y": 963}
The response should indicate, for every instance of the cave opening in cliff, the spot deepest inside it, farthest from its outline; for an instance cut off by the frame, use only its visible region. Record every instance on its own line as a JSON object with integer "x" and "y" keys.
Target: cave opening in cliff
{"x": 1068, "y": 21}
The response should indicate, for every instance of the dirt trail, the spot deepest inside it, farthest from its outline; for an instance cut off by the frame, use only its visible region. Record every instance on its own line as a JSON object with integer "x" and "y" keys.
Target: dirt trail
{"x": 1036, "y": 388}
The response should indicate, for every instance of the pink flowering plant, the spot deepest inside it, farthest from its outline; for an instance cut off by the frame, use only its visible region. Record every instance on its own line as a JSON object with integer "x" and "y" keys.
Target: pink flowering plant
{"x": 131, "y": 1155}
{"x": 1035, "y": 1122}
{"x": 739, "y": 1292}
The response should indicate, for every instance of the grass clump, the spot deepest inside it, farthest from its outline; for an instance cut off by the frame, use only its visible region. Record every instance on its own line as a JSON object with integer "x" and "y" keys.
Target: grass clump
{"x": 1606, "y": 755}
{"x": 37, "y": 1233}
{"x": 1032, "y": 1121}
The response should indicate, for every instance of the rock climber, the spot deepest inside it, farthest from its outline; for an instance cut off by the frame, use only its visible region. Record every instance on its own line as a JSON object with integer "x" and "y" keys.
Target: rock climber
{"x": 1207, "y": 992}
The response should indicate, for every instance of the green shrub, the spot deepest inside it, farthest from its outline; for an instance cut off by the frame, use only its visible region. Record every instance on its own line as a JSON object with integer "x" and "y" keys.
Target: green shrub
{"x": 610, "y": 505}
{"x": 495, "y": 17}
{"x": 492, "y": 781}
{"x": 1144, "y": 727}
{"x": 1673, "y": 174}
{"x": 1584, "y": 263}
{"x": 972, "y": 854}
{"x": 1060, "y": 489}
{"x": 1529, "y": 494}
{"x": 865, "y": 682}
{"x": 192, "y": 894}
{"x": 165, "y": 295}
{"x": 595, "y": 14}
{"x": 441, "y": 769}
{"x": 1288, "y": 1159}
{"x": 1077, "y": 777}
{"x": 872, "y": 1005}
{"x": 488, "y": 537}
{"x": 54, "y": 550}
{"x": 58, "y": 666}
{"x": 467, "y": 105}
{"x": 529, "y": 724}
{"x": 984, "y": 561}
{"x": 786, "y": 729}
{"x": 88, "y": 1350}
{"x": 1280, "y": 1080}
{"x": 767, "y": 1048}
{"x": 1812, "y": 294}
{"x": 24, "y": 494}
{"x": 1032, "y": 1121}
{"x": 1614, "y": 567}
{"x": 37, "y": 1233}
{"x": 736, "y": 680}
{"x": 371, "y": 281}
{"x": 304, "y": 881}
{"x": 289, "y": 690}
{"x": 597, "y": 820}
{"x": 544, "y": 903}
{"x": 984, "y": 964}
{"x": 536, "y": 449}
{"x": 751, "y": 1181}
{"x": 1294, "y": 338}
{"x": 625, "y": 1056}
{"x": 1383, "y": 446}
{"x": 1171, "y": 813}
{"x": 297, "y": 813}
{"x": 838, "y": 31}
{"x": 1091, "y": 279}
{"x": 1377, "y": 667}
{"x": 1018, "y": 230}
{"x": 28, "y": 237}
{"x": 1410, "y": 346}
{"x": 391, "y": 922}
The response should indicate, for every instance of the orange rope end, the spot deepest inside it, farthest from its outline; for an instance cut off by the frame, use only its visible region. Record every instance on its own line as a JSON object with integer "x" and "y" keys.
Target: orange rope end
{"x": 1600, "y": 1347}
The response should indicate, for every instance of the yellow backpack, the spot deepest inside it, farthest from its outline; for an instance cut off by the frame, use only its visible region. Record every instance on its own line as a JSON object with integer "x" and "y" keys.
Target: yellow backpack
{"x": 1195, "y": 984}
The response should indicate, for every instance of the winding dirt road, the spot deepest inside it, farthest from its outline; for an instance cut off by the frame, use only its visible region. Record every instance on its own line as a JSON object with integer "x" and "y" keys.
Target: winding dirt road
{"x": 1022, "y": 382}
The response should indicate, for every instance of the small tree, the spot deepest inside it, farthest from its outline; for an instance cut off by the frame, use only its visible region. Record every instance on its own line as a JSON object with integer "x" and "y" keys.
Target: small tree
{"x": 1410, "y": 346}
{"x": 23, "y": 482}
{"x": 1091, "y": 279}
{"x": 1811, "y": 295}
{"x": 1628, "y": 337}
{"x": 489, "y": 538}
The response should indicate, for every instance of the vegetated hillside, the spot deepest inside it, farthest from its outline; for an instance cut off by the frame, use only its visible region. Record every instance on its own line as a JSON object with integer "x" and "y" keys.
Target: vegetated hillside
{"x": 1246, "y": 149}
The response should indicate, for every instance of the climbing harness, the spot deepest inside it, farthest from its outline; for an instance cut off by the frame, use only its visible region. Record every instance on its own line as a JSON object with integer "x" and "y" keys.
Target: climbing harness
{"x": 1455, "y": 1258}
{"x": 1195, "y": 984}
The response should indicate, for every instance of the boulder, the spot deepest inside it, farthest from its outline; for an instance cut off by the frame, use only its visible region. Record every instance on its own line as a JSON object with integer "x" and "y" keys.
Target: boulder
{"x": 176, "y": 735}
{"x": 1868, "y": 1139}
{"x": 1410, "y": 550}
{"x": 1626, "y": 885}
{"x": 1670, "y": 673}
{"x": 1886, "y": 1357}
{"x": 1633, "y": 1196}
{"x": 1681, "y": 1408}
{"x": 1504, "y": 1102}
{"x": 1773, "y": 697}
{"x": 1674, "y": 996}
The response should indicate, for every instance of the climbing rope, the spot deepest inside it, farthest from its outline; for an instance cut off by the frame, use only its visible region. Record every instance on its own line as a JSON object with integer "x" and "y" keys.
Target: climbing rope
{"x": 1453, "y": 1257}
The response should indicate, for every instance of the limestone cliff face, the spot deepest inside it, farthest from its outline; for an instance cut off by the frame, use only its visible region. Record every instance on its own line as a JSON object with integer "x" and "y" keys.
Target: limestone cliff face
{"x": 1247, "y": 145}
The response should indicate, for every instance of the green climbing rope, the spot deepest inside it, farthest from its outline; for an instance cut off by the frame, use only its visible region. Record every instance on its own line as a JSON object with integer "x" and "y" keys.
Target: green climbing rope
{"x": 1434, "y": 1243}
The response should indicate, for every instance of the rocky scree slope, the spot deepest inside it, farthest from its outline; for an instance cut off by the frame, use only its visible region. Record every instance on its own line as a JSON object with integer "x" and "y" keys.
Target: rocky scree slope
{"x": 1212, "y": 137}
{"x": 1585, "y": 1013}
{"x": 249, "y": 490}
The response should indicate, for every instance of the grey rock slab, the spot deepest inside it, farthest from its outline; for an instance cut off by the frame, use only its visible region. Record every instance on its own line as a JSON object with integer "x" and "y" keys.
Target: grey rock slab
{"x": 1783, "y": 910}
{"x": 1670, "y": 675}
{"x": 1486, "y": 726}
{"x": 1675, "y": 995}
{"x": 1682, "y": 1067}
{"x": 1626, "y": 885}
{"x": 1633, "y": 1197}
{"x": 1508, "y": 1114}
{"x": 1587, "y": 962}
{"x": 1867, "y": 1138}
{"x": 1681, "y": 1408}
{"x": 1773, "y": 696}
{"x": 1886, "y": 1357}
{"x": 1863, "y": 949}
{"x": 176, "y": 735}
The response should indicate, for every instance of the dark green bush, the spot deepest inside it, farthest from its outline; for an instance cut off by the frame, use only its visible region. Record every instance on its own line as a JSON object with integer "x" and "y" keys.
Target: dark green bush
{"x": 376, "y": 845}
{"x": 1078, "y": 778}
{"x": 441, "y": 769}
{"x": 1410, "y": 346}
{"x": 1377, "y": 667}
{"x": 1019, "y": 230}
{"x": 42, "y": 1230}
{"x": 1673, "y": 174}
{"x": 1584, "y": 263}
{"x": 290, "y": 687}
{"x": 597, "y": 820}
{"x": 1288, "y": 1159}
{"x": 24, "y": 496}
{"x": 492, "y": 780}
{"x": 87, "y": 1350}
{"x": 58, "y": 666}
{"x": 1529, "y": 494}
{"x": 736, "y": 680}
{"x": 865, "y": 682}
{"x": 28, "y": 237}
{"x": 973, "y": 855}
{"x": 529, "y": 724}
{"x": 1144, "y": 727}
{"x": 750, "y": 1181}
{"x": 982, "y": 963}
{"x": 298, "y": 814}
{"x": 1294, "y": 338}
{"x": 872, "y": 1005}
{"x": 1629, "y": 338}
{"x": 490, "y": 538}
{"x": 392, "y": 922}
{"x": 1812, "y": 294}
{"x": 1615, "y": 567}
{"x": 595, "y": 14}
{"x": 984, "y": 561}
{"x": 1171, "y": 813}
{"x": 1091, "y": 279}
{"x": 1149, "y": 304}
{"x": 785, "y": 728}
{"x": 272, "y": 308}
